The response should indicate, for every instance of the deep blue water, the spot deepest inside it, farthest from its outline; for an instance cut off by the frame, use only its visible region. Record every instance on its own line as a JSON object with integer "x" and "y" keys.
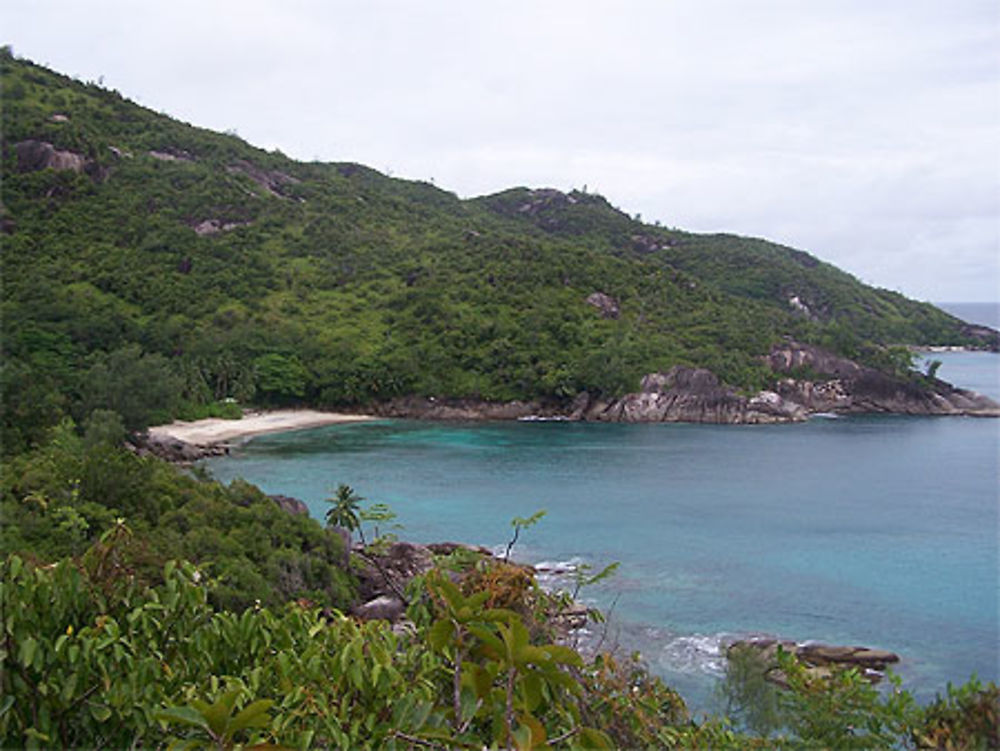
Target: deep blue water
{"x": 865, "y": 530}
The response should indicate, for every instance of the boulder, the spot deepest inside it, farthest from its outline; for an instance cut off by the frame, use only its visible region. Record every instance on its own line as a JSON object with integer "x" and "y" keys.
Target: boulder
{"x": 175, "y": 450}
{"x": 33, "y": 156}
{"x": 819, "y": 659}
{"x": 387, "y": 571}
{"x": 447, "y": 548}
{"x": 685, "y": 394}
{"x": 290, "y": 505}
{"x": 381, "y": 608}
{"x": 607, "y": 305}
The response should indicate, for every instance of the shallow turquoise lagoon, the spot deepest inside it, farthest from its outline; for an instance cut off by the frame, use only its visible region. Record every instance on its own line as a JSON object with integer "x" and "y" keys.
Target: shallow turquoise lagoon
{"x": 865, "y": 530}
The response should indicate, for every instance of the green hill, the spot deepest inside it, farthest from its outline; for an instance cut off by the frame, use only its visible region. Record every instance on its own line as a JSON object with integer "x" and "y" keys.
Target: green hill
{"x": 193, "y": 267}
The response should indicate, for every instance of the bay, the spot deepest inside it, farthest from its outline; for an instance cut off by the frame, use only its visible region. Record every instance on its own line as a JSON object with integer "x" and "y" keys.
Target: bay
{"x": 876, "y": 530}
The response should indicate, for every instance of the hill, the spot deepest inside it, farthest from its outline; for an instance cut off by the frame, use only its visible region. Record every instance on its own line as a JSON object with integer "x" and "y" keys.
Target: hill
{"x": 155, "y": 268}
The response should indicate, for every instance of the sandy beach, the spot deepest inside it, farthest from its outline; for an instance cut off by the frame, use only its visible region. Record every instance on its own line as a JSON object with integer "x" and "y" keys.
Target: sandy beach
{"x": 215, "y": 430}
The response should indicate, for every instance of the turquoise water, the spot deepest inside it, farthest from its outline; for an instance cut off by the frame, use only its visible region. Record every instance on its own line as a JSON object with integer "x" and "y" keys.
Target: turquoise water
{"x": 869, "y": 530}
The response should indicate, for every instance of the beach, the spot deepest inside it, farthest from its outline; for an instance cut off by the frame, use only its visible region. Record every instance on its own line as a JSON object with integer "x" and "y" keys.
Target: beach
{"x": 216, "y": 430}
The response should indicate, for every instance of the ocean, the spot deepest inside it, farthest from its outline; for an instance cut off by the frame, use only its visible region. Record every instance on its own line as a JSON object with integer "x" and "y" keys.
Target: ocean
{"x": 873, "y": 530}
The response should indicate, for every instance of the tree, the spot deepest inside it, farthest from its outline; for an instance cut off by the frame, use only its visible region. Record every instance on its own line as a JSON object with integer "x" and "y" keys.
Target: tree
{"x": 345, "y": 513}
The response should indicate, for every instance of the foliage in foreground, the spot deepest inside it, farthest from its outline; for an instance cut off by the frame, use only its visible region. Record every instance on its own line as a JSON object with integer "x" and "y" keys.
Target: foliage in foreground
{"x": 91, "y": 658}
{"x": 56, "y": 500}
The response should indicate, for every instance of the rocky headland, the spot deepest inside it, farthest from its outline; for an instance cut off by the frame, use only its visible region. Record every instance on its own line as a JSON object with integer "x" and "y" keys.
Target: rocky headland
{"x": 683, "y": 394}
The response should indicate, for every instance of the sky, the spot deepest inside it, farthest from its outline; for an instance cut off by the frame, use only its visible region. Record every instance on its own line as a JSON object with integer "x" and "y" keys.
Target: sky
{"x": 866, "y": 132}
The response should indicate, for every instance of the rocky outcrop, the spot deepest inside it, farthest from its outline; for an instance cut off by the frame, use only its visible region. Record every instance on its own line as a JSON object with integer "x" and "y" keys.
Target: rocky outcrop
{"x": 273, "y": 181}
{"x": 836, "y": 384}
{"x": 989, "y": 339}
{"x": 606, "y": 304}
{"x": 33, "y": 156}
{"x": 387, "y": 572}
{"x": 177, "y": 451}
{"x": 171, "y": 155}
{"x": 290, "y": 505}
{"x": 820, "y": 660}
{"x": 685, "y": 394}
{"x": 215, "y": 226}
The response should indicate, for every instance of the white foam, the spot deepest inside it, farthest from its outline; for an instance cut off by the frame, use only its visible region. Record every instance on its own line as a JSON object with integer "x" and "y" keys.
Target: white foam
{"x": 696, "y": 653}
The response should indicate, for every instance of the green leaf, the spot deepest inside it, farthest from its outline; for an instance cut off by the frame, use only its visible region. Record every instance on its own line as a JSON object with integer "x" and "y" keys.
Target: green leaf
{"x": 564, "y": 655}
{"x": 254, "y": 715}
{"x": 100, "y": 712}
{"x": 441, "y": 634}
{"x": 593, "y": 738}
{"x": 27, "y": 652}
{"x": 184, "y": 715}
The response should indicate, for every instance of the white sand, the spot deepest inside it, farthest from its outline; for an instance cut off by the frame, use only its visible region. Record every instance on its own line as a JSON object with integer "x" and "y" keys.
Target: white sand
{"x": 214, "y": 430}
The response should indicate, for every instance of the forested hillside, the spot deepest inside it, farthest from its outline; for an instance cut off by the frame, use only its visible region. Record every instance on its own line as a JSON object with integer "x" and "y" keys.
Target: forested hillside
{"x": 154, "y": 268}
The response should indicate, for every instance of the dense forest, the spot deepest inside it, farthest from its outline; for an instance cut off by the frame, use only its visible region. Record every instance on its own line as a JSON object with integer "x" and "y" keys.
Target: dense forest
{"x": 152, "y": 269}
{"x": 155, "y": 269}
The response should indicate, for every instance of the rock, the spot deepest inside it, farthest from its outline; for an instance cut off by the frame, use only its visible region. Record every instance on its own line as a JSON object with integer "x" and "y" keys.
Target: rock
{"x": 388, "y": 572}
{"x": 172, "y": 155}
{"x": 214, "y": 226}
{"x": 290, "y": 505}
{"x": 33, "y": 156}
{"x": 178, "y": 451}
{"x": 823, "y": 654}
{"x": 270, "y": 180}
{"x": 447, "y": 548}
{"x": 429, "y": 408}
{"x": 819, "y": 659}
{"x": 841, "y": 385}
{"x": 685, "y": 394}
{"x": 572, "y": 618}
{"x": 604, "y": 303}
{"x": 382, "y": 608}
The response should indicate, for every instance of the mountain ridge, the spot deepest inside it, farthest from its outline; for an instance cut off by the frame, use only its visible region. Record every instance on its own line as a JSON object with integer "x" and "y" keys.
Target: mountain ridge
{"x": 199, "y": 268}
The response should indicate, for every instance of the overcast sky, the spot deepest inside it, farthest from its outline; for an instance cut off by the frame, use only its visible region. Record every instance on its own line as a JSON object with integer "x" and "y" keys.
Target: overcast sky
{"x": 866, "y": 132}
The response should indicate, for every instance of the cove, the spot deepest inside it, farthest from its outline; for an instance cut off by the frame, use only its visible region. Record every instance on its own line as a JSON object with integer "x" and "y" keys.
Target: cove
{"x": 875, "y": 530}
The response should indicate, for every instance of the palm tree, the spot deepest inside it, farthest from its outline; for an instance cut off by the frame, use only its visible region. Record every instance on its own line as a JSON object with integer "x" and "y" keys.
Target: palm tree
{"x": 344, "y": 512}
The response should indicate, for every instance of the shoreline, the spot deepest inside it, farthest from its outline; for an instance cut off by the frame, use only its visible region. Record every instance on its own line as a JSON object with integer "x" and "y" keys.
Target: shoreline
{"x": 214, "y": 430}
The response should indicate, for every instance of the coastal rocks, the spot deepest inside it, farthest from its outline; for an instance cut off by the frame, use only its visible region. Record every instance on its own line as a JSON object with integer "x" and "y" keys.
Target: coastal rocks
{"x": 177, "y": 451}
{"x": 429, "y": 408}
{"x": 989, "y": 338}
{"x": 685, "y": 394}
{"x": 820, "y": 660}
{"x": 447, "y": 548}
{"x": 852, "y": 388}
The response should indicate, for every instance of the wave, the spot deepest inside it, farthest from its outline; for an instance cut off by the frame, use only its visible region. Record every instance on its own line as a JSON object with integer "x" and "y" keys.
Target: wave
{"x": 542, "y": 418}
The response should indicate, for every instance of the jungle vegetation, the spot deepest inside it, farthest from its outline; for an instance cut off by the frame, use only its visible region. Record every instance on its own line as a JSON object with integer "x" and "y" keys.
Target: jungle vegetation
{"x": 152, "y": 269}
{"x": 158, "y": 269}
